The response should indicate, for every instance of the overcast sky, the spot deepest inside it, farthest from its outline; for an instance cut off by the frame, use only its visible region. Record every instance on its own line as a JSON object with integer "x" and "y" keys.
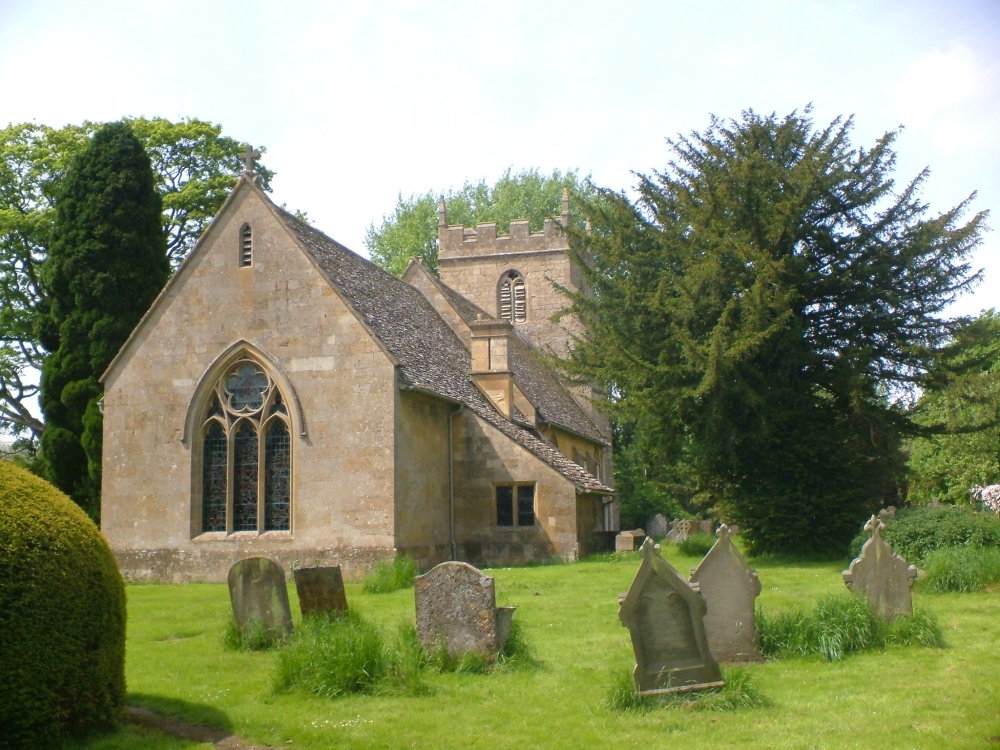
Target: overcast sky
{"x": 356, "y": 103}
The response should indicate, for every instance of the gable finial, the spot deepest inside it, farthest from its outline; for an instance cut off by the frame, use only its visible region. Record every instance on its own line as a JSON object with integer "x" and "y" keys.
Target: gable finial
{"x": 249, "y": 157}
{"x": 565, "y": 207}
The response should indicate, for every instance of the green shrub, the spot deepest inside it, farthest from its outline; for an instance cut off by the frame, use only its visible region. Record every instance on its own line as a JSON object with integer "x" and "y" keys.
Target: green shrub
{"x": 697, "y": 544}
{"x": 962, "y": 569}
{"x": 916, "y": 532}
{"x": 393, "y": 576}
{"x": 62, "y": 609}
{"x": 254, "y": 636}
{"x": 839, "y": 625}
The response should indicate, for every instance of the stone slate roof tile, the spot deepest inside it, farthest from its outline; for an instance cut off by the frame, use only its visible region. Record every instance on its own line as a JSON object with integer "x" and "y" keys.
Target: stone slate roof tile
{"x": 430, "y": 356}
{"x": 554, "y": 403}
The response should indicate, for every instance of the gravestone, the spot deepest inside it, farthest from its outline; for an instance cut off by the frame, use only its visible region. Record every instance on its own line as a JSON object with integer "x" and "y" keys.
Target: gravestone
{"x": 881, "y": 575}
{"x": 628, "y": 541}
{"x": 665, "y": 615}
{"x": 679, "y": 530}
{"x": 730, "y": 588}
{"x": 320, "y": 590}
{"x": 456, "y": 605}
{"x": 705, "y": 526}
{"x": 657, "y": 527}
{"x": 257, "y": 592}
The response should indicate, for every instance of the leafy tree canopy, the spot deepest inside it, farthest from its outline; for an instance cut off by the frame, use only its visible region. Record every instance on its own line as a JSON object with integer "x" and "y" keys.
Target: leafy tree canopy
{"x": 106, "y": 262}
{"x": 960, "y": 411}
{"x": 194, "y": 166}
{"x": 412, "y": 227}
{"x": 763, "y": 308}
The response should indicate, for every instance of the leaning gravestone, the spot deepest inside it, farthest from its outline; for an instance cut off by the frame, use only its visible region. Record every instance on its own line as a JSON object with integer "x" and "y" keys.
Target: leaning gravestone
{"x": 665, "y": 617}
{"x": 257, "y": 592}
{"x": 657, "y": 527}
{"x": 457, "y": 607}
{"x": 320, "y": 590}
{"x": 730, "y": 588}
{"x": 881, "y": 575}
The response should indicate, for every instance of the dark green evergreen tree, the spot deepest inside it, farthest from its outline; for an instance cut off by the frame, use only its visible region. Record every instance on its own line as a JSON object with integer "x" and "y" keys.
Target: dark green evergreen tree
{"x": 763, "y": 310}
{"x": 107, "y": 261}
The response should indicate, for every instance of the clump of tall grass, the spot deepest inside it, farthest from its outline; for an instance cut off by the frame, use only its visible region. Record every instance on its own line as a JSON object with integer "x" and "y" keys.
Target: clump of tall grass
{"x": 391, "y": 576}
{"x": 839, "y": 625}
{"x": 346, "y": 654}
{"x": 740, "y": 691}
{"x": 517, "y": 655}
{"x": 697, "y": 544}
{"x": 254, "y": 636}
{"x": 963, "y": 569}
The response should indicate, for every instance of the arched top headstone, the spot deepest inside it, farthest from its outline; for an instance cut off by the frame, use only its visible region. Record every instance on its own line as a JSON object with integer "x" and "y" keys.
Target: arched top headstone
{"x": 257, "y": 592}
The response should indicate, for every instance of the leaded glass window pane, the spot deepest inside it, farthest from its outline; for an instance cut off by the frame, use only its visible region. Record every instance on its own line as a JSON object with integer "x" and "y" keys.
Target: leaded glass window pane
{"x": 277, "y": 475}
{"x": 526, "y": 505}
{"x": 213, "y": 482}
{"x": 246, "y": 388}
{"x": 245, "y": 478}
{"x": 505, "y": 505}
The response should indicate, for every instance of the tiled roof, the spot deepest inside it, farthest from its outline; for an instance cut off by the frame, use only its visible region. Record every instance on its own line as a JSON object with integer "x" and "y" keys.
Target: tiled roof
{"x": 554, "y": 403}
{"x": 430, "y": 356}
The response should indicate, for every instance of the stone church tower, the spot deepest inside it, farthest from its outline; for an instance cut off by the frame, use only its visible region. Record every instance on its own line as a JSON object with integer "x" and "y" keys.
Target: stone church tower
{"x": 518, "y": 278}
{"x": 514, "y": 277}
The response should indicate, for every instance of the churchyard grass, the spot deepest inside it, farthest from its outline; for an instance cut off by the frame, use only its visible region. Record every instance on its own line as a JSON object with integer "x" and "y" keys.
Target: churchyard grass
{"x": 898, "y": 697}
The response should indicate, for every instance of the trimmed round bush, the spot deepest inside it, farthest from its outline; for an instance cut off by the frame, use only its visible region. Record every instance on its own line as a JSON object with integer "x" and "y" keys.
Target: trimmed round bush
{"x": 62, "y": 618}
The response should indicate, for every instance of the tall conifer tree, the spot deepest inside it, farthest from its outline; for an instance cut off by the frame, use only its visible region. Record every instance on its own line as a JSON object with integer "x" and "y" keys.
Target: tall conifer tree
{"x": 107, "y": 262}
{"x": 762, "y": 312}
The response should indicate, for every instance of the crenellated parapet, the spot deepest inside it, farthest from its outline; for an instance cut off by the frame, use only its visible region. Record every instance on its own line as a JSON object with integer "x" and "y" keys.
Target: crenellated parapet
{"x": 457, "y": 241}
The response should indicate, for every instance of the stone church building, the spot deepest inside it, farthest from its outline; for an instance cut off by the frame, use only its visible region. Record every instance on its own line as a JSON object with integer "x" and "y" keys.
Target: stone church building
{"x": 285, "y": 397}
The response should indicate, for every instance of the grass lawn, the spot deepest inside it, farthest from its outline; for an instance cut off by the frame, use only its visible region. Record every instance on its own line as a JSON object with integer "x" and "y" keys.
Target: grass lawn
{"x": 901, "y": 698}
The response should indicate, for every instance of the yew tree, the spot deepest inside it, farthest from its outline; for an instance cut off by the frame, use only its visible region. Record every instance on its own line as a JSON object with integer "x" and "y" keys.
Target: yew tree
{"x": 763, "y": 310}
{"x": 107, "y": 261}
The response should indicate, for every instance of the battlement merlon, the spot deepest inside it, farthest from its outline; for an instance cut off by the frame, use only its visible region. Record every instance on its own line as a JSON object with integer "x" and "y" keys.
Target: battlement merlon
{"x": 456, "y": 241}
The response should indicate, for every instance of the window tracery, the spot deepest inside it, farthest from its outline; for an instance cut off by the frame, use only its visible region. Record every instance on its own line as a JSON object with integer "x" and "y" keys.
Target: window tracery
{"x": 245, "y": 454}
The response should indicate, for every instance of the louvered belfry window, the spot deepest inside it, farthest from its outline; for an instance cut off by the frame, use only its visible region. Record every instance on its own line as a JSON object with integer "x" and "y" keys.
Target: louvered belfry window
{"x": 246, "y": 246}
{"x": 513, "y": 298}
{"x": 246, "y": 454}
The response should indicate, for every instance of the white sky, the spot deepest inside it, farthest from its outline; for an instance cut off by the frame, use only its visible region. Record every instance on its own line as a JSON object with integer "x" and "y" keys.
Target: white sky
{"x": 357, "y": 102}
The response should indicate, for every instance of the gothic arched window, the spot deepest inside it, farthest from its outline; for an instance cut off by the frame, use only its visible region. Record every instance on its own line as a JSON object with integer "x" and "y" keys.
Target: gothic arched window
{"x": 246, "y": 454}
{"x": 512, "y": 298}
{"x": 246, "y": 246}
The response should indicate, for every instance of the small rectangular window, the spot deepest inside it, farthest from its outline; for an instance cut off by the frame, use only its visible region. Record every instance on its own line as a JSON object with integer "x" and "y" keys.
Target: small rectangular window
{"x": 526, "y": 505}
{"x": 505, "y": 505}
{"x": 515, "y": 505}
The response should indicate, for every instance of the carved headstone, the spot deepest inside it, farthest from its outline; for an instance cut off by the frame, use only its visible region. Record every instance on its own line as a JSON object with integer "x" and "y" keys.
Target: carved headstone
{"x": 730, "y": 588}
{"x": 257, "y": 592}
{"x": 705, "y": 526}
{"x": 881, "y": 575}
{"x": 628, "y": 541}
{"x": 680, "y": 529}
{"x": 456, "y": 605}
{"x": 657, "y": 527}
{"x": 320, "y": 590}
{"x": 665, "y": 617}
